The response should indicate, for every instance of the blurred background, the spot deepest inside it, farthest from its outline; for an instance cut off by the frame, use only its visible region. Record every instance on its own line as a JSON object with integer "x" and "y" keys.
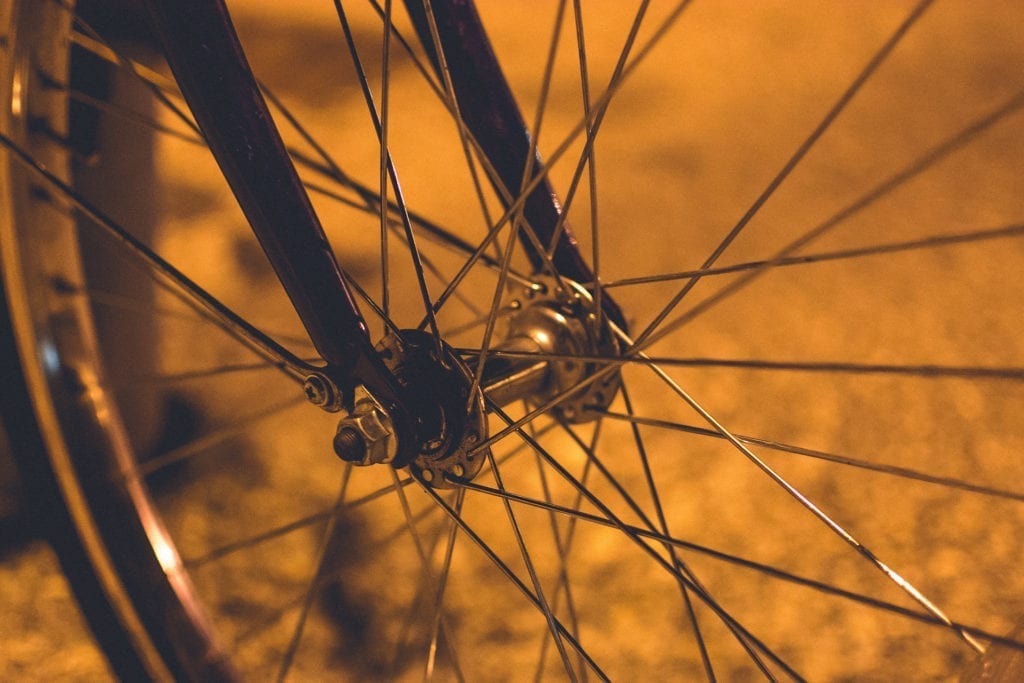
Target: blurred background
{"x": 717, "y": 108}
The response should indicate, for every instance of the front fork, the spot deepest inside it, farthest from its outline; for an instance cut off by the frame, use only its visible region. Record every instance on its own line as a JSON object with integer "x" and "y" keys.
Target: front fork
{"x": 210, "y": 67}
{"x": 204, "y": 53}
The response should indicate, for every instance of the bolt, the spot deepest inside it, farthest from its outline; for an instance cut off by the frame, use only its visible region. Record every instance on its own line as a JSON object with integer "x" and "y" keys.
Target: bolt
{"x": 321, "y": 392}
{"x": 349, "y": 446}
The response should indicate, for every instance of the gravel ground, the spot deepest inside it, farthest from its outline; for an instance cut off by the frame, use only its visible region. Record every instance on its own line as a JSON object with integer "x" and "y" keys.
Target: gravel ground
{"x": 764, "y": 75}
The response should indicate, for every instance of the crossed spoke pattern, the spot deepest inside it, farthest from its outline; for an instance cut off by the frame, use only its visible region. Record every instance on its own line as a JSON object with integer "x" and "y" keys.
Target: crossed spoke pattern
{"x": 732, "y": 498}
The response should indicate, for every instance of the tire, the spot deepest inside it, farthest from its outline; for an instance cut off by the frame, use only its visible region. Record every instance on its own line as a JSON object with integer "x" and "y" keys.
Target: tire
{"x": 853, "y": 408}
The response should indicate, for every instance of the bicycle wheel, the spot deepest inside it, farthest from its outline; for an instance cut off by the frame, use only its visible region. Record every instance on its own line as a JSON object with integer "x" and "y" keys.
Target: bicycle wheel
{"x": 810, "y": 218}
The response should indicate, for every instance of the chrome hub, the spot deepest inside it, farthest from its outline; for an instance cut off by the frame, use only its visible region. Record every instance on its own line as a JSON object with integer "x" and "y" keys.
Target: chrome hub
{"x": 554, "y": 340}
{"x": 559, "y": 323}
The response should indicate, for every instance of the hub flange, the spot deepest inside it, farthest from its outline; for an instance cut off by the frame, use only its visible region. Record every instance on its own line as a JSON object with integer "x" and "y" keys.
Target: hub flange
{"x": 559, "y": 322}
{"x": 449, "y": 425}
{"x": 555, "y": 338}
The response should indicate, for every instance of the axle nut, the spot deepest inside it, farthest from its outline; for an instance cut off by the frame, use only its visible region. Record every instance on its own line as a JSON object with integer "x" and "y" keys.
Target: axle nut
{"x": 366, "y": 436}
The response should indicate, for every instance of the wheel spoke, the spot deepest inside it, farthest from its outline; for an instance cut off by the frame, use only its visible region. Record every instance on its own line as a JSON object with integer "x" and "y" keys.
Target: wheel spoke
{"x": 369, "y": 199}
{"x": 442, "y": 585}
{"x": 451, "y": 102}
{"x": 834, "y": 526}
{"x": 190, "y": 375}
{"x": 512, "y": 577}
{"x": 638, "y": 539}
{"x": 276, "y": 615}
{"x": 679, "y": 569}
{"x": 440, "y": 622}
{"x": 840, "y": 105}
{"x": 321, "y": 566}
{"x": 528, "y": 231}
{"x": 767, "y": 570}
{"x": 905, "y": 472}
{"x": 496, "y": 307}
{"x": 594, "y": 119}
{"x": 652, "y": 489}
{"x": 392, "y": 175}
{"x": 520, "y": 225}
{"x": 922, "y": 371}
{"x": 911, "y": 171}
{"x": 142, "y": 308}
{"x": 304, "y": 522}
{"x": 160, "y": 86}
{"x": 131, "y": 116}
{"x": 934, "y": 241}
{"x": 601, "y": 104}
{"x": 382, "y": 133}
{"x": 295, "y": 525}
{"x": 538, "y": 591}
{"x": 204, "y": 303}
{"x": 595, "y": 233}
{"x": 593, "y": 493}
{"x": 371, "y": 202}
{"x": 563, "y": 547}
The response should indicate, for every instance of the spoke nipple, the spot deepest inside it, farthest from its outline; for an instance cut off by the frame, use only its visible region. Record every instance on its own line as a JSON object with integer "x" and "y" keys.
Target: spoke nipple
{"x": 349, "y": 446}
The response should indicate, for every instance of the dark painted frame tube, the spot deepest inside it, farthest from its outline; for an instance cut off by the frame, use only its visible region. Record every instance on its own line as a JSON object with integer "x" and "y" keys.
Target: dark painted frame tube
{"x": 204, "y": 53}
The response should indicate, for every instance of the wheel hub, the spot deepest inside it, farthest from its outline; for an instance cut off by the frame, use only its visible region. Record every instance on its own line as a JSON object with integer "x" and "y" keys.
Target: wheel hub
{"x": 450, "y": 425}
{"x": 561, "y": 324}
{"x": 554, "y": 339}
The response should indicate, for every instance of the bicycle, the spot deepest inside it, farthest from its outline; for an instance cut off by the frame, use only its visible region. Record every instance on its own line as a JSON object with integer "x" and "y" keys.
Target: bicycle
{"x": 456, "y": 501}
